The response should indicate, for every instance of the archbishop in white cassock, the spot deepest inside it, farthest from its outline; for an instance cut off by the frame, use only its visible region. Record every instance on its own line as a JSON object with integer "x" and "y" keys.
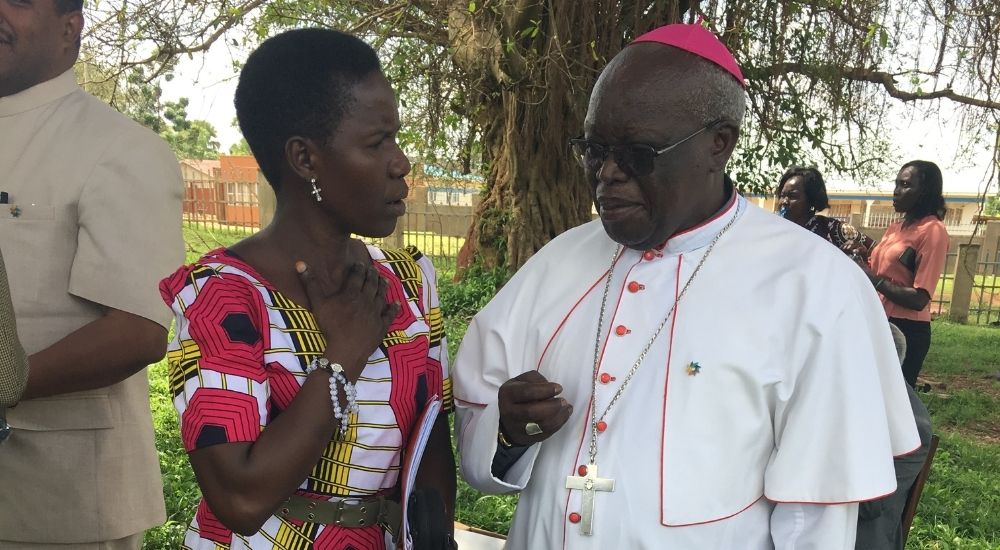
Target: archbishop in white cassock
{"x": 767, "y": 406}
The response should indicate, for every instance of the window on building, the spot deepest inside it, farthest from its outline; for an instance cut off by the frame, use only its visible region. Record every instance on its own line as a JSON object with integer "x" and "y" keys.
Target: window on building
{"x": 241, "y": 193}
{"x": 437, "y": 197}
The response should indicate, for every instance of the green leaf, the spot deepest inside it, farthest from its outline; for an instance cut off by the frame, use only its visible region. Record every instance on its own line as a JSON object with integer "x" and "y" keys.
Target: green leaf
{"x": 472, "y": 7}
{"x": 883, "y": 37}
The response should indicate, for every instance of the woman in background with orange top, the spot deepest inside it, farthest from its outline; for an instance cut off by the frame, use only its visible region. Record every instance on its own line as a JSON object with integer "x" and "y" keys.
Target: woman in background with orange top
{"x": 906, "y": 264}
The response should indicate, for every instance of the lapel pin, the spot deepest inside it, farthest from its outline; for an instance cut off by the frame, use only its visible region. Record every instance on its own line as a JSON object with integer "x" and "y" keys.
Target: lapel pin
{"x": 15, "y": 211}
{"x": 693, "y": 368}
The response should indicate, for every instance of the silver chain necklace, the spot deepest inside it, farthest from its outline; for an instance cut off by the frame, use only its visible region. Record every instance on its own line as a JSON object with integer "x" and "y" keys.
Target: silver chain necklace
{"x": 594, "y": 419}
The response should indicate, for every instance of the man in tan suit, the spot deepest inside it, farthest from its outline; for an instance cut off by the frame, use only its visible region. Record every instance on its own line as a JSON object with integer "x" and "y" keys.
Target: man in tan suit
{"x": 92, "y": 224}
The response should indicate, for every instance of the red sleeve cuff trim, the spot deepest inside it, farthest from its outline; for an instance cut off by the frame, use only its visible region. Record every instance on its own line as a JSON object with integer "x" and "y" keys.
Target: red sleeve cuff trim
{"x": 465, "y": 403}
{"x": 858, "y": 501}
{"x": 744, "y": 509}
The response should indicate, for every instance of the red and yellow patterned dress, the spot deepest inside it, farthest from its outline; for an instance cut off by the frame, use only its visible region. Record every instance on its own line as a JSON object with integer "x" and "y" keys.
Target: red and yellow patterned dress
{"x": 238, "y": 358}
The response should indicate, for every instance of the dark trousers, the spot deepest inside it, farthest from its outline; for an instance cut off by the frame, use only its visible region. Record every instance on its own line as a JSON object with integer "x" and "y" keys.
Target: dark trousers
{"x": 918, "y": 341}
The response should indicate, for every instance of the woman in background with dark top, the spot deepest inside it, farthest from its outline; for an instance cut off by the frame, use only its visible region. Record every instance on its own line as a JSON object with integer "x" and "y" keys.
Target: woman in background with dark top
{"x": 906, "y": 264}
{"x": 13, "y": 361}
{"x": 802, "y": 193}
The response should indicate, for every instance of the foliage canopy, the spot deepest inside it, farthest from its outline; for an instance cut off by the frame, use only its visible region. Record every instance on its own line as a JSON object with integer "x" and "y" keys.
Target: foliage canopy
{"x": 497, "y": 86}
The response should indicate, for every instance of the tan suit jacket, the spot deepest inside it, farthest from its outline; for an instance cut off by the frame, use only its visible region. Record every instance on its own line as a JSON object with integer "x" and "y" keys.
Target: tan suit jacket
{"x": 13, "y": 363}
{"x": 96, "y": 224}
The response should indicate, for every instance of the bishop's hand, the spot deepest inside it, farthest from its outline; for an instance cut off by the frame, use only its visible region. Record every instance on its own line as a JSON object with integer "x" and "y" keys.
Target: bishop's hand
{"x": 531, "y": 399}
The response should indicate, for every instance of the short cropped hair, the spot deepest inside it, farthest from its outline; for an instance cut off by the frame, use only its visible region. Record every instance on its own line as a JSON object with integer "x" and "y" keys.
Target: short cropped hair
{"x": 812, "y": 181}
{"x": 66, "y": 6}
{"x": 713, "y": 92}
{"x": 298, "y": 83}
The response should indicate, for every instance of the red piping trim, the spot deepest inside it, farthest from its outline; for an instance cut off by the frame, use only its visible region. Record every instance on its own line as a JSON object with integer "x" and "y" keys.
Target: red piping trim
{"x": 725, "y": 210}
{"x": 611, "y": 321}
{"x": 910, "y": 452}
{"x": 579, "y": 447}
{"x": 666, "y": 384}
{"x": 831, "y": 503}
{"x": 551, "y": 338}
{"x": 745, "y": 508}
{"x": 572, "y": 309}
{"x": 583, "y": 433}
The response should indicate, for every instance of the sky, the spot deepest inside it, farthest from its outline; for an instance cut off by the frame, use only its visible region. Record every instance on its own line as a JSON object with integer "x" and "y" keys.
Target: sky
{"x": 209, "y": 80}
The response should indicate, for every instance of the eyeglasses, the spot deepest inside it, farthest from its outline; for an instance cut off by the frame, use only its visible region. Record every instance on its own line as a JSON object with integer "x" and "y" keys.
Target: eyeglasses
{"x": 636, "y": 159}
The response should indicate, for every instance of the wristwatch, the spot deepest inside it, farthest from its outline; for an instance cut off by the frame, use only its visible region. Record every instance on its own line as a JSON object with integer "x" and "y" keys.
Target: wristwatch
{"x": 502, "y": 439}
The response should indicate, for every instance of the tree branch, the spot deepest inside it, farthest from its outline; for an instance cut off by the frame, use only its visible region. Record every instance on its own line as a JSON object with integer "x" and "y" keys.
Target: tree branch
{"x": 857, "y": 74}
{"x": 225, "y": 22}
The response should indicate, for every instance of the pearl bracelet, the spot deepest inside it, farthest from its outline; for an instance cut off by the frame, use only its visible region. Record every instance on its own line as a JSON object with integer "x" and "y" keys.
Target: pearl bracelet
{"x": 338, "y": 378}
{"x": 351, "y": 395}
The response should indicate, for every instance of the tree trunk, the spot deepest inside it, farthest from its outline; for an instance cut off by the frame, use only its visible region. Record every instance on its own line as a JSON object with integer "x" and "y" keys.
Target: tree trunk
{"x": 538, "y": 61}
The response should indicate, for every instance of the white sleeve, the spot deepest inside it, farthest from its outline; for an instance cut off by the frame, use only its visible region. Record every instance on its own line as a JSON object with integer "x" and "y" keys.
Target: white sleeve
{"x": 480, "y": 370}
{"x": 476, "y": 429}
{"x": 814, "y": 526}
{"x": 849, "y": 388}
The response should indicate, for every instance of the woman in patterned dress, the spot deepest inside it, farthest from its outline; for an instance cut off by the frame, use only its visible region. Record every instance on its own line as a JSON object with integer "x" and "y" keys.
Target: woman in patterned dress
{"x": 264, "y": 326}
{"x": 801, "y": 194}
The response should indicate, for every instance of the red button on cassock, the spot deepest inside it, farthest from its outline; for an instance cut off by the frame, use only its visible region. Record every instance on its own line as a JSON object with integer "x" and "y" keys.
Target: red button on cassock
{"x": 582, "y": 470}
{"x": 648, "y": 255}
{"x": 634, "y": 287}
{"x": 574, "y": 517}
{"x": 622, "y": 330}
{"x": 601, "y": 426}
{"x": 605, "y": 378}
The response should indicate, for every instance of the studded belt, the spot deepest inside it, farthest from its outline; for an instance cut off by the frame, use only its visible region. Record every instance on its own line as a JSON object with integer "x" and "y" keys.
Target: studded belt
{"x": 347, "y": 512}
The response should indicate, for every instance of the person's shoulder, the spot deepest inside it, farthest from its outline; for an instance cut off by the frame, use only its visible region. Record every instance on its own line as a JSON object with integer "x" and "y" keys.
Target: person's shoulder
{"x": 226, "y": 272}
{"x": 774, "y": 240}
{"x": 766, "y": 227}
{"x": 932, "y": 224}
{"x": 407, "y": 262}
{"x": 115, "y": 126}
{"x": 574, "y": 241}
{"x": 827, "y": 220}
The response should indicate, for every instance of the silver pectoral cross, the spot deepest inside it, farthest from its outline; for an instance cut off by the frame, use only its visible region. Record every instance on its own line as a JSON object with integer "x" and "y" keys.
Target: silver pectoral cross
{"x": 589, "y": 484}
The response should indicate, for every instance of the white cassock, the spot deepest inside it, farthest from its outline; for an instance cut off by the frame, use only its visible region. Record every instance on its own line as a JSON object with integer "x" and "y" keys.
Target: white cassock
{"x": 793, "y": 417}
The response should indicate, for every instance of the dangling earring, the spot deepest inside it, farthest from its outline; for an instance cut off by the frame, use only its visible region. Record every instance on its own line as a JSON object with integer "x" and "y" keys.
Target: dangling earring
{"x": 315, "y": 191}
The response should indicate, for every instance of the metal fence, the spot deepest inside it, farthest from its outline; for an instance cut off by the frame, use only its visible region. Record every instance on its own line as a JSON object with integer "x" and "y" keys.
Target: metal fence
{"x": 985, "y": 304}
{"x": 941, "y": 303}
{"x": 977, "y": 293}
{"x": 221, "y": 206}
{"x": 230, "y": 210}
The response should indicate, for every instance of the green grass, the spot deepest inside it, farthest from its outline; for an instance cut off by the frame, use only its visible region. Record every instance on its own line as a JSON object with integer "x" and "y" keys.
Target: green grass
{"x": 958, "y": 509}
{"x": 979, "y": 281}
{"x": 179, "y": 487}
{"x": 960, "y": 503}
{"x": 963, "y": 349}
